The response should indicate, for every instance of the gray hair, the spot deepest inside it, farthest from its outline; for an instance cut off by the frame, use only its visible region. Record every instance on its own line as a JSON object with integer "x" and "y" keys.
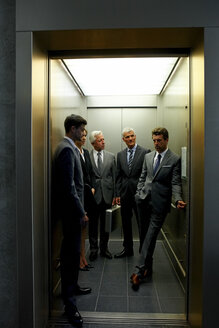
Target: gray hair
{"x": 93, "y": 135}
{"x": 126, "y": 130}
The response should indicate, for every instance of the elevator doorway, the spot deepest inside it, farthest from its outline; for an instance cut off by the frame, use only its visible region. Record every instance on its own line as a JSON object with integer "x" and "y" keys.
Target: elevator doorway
{"x": 170, "y": 109}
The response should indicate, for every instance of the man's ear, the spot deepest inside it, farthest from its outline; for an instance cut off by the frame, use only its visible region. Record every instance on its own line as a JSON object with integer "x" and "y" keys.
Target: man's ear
{"x": 72, "y": 128}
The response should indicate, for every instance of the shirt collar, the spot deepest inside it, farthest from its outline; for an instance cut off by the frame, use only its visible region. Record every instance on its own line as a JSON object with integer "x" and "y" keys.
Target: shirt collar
{"x": 162, "y": 154}
{"x": 98, "y": 151}
{"x": 134, "y": 148}
{"x": 71, "y": 142}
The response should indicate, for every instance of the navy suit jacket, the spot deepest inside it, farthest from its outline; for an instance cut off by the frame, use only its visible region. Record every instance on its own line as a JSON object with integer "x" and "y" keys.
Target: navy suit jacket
{"x": 126, "y": 181}
{"x": 87, "y": 168}
{"x": 68, "y": 184}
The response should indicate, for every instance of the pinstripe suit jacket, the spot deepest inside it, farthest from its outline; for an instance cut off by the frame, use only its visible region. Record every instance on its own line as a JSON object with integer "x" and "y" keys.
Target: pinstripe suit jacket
{"x": 126, "y": 181}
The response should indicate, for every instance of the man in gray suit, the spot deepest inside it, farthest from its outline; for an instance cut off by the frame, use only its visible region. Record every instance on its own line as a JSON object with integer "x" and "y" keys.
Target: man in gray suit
{"x": 68, "y": 205}
{"x": 104, "y": 166}
{"x": 159, "y": 183}
{"x": 129, "y": 166}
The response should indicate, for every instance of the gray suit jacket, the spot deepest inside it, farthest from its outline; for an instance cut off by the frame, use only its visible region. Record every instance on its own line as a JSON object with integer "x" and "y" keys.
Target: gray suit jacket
{"x": 126, "y": 181}
{"x": 68, "y": 187}
{"x": 105, "y": 183}
{"x": 164, "y": 185}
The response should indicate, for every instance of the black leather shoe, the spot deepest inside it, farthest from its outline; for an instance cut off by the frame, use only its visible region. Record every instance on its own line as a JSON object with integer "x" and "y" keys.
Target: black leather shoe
{"x": 93, "y": 255}
{"x": 123, "y": 253}
{"x": 84, "y": 269}
{"x": 83, "y": 290}
{"x": 74, "y": 318}
{"x": 141, "y": 276}
{"x": 106, "y": 254}
{"x": 88, "y": 266}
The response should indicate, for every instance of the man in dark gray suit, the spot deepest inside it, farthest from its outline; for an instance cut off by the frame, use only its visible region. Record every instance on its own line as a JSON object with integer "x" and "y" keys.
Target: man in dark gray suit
{"x": 104, "y": 166}
{"x": 159, "y": 183}
{"x": 129, "y": 166}
{"x": 68, "y": 201}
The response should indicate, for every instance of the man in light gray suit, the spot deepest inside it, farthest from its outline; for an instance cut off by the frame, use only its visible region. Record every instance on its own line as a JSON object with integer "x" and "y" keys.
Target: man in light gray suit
{"x": 104, "y": 166}
{"x": 159, "y": 183}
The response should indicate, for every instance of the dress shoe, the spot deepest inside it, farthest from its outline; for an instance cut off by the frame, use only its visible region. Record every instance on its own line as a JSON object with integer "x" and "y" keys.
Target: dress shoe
{"x": 106, "y": 254}
{"x": 83, "y": 290}
{"x": 123, "y": 253}
{"x": 141, "y": 276}
{"x": 74, "y": 317}
{"x": 85, "y": 268}
{"x": 93, "y": 255}
{"x": 88, "y": 266}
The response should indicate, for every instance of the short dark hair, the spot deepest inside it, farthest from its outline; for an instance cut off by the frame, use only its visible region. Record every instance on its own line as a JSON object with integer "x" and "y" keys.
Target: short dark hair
{"x": 73, "y": 120}
{"x": 160, "y": 131}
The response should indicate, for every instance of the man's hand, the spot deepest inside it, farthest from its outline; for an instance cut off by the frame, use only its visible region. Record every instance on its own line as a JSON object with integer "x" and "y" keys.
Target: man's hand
{"x": 84, "y": 220}
{"x": 117, "y": 200}
{"x": 181, "y": 204}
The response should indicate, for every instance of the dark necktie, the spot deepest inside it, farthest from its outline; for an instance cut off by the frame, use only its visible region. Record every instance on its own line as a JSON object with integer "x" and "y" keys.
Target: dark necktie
{"x": 130, "y": 158}
{"x": 99, "y": 162}
{"x": 157, "y": 163}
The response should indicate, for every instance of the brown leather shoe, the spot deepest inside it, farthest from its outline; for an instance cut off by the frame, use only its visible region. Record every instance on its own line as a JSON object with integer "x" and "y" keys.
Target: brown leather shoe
{"x": 141, "y": 276}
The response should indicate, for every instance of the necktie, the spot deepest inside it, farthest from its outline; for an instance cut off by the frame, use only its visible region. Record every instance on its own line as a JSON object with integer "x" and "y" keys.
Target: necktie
{"x": 130, "y": 158}
{"x": 157, "y": 163}
{"x": 99, "y": 162}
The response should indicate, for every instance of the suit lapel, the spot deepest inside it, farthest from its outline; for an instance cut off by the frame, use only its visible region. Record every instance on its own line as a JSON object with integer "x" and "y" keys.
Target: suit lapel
{"x": 135, "y": 159}
{"x": 105, "y": 155}
{"x": 124, "y": 160}
{"x": 94, "y": 164}
{"x": 151, "y": 160}
{"x": 164, "y": 161}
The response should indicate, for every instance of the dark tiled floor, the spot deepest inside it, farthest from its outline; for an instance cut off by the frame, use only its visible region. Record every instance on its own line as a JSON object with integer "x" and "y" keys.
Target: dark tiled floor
{"x": 112, "y": 292}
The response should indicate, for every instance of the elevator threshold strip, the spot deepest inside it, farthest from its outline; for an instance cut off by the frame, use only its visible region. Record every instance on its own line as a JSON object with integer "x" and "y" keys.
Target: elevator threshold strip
{"x": 115, "y": 318}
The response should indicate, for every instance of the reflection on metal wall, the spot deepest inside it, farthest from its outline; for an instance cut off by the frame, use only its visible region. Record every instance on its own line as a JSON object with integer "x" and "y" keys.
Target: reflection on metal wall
{"x": 175, "y": 106}
{"x": 64, "y": 100}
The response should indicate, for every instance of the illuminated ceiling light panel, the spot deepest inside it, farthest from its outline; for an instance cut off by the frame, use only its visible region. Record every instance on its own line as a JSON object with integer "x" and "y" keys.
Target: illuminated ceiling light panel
{"x": 121, "y": 76}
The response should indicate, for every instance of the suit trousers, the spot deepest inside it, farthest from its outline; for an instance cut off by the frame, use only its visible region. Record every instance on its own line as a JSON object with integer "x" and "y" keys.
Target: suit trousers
{"x": 128, "y": 206}
{"x": 98, "y": 220}
{"x": 70, "y": 259}
{"x": 150, "y": 224}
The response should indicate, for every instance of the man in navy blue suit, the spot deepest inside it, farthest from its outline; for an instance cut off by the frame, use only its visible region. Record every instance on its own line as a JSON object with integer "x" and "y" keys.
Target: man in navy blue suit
{"x": 68, "y": 189}
{"x": 129, "y": 165}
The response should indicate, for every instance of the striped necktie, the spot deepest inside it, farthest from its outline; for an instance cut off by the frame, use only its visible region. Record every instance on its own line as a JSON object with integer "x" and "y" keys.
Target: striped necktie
{"x": 130, "y": 158}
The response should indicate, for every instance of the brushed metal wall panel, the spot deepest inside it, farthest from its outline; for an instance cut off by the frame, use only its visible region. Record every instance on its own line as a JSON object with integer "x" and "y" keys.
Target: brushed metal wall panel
{"x": 39, "y": 150}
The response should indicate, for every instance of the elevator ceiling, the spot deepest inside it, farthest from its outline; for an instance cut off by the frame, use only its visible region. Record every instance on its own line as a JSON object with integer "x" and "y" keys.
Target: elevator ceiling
{"x": 121, "y": 76}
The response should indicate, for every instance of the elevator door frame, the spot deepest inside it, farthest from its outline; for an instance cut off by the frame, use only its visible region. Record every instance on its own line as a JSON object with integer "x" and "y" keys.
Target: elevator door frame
{"x": 158, "y": 317}
{"x": 33, "y": 45}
